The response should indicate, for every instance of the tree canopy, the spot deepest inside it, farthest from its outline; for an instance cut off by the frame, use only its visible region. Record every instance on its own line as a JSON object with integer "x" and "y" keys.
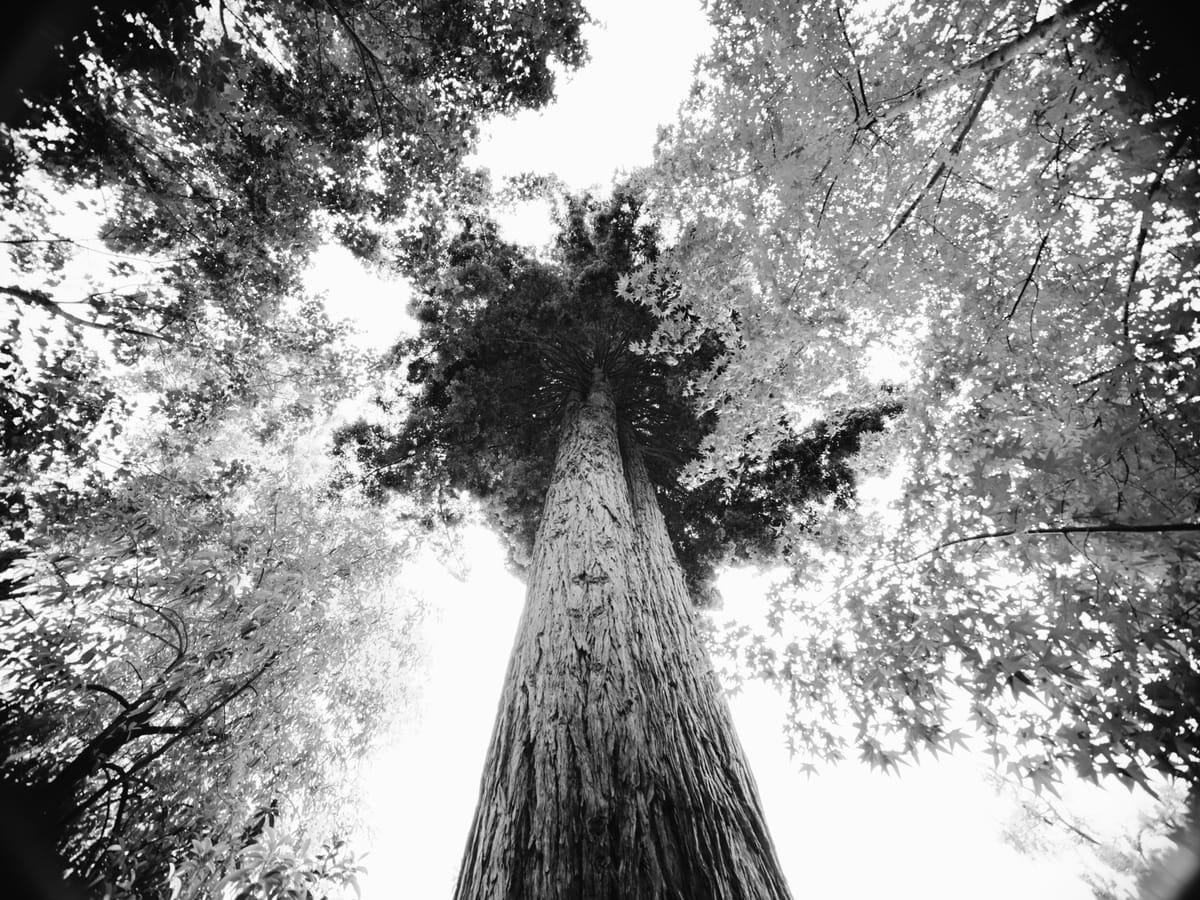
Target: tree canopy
{"x": 507, "y": 338}
{"x": 1005, "y": 205}
{"x": 202, "y": 638}
{"x": 235, "y": 139}
{"x": 943, "y": 252}
{"x": 204, "y": 635}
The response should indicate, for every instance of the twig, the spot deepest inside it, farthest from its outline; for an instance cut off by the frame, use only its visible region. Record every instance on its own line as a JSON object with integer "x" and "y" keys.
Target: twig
{"x": 1029, "y": 278}
{"x": 1112, "y": 528}
{"x": 43, "y": 300}
{"x": 1144, "y": 231}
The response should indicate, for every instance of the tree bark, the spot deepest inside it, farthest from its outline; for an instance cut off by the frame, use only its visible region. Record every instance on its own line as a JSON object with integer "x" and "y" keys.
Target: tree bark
{"x": 614, "y": 770}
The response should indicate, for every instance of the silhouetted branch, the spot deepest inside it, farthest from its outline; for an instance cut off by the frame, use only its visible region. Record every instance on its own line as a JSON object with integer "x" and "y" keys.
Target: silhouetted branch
{"x": 1155, "y": 528}
{"x": 44, "y": 301}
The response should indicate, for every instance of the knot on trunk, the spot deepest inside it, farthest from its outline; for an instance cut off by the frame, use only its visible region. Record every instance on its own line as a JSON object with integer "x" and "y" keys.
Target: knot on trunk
{"x": 590, "y": 578}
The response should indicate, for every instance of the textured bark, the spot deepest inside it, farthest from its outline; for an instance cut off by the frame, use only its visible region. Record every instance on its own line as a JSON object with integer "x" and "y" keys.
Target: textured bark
{"x": 614, "y": 770}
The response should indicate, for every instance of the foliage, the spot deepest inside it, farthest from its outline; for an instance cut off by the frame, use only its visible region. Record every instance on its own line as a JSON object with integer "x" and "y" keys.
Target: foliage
{"x": 54, "y": 408}
{"x": 227, "y": 142}
{"x": 197, "y": 629}
{"x": 202, "y": 635}
{"x": 270, "y": 109}
{"x": 506, "y": 339}
{"x": 1007, "y": 207}
{"x": 275, "y": 866}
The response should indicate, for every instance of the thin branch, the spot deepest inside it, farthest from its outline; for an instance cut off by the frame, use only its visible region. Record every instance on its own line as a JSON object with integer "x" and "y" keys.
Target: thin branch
{"x": 102, "y": 689}
{"x": 79, "y": 242}
{"x": 854, "y": 59}
{"x": 1144, "y": 230}
{"x": 368, "y": 61}
{"x": 1037, "y": 259}
{"x": 43, "y": 300}
{"x": 178, "y": 628}
{"x": 222, "y": 700}
{"x": 143, "y": 730}
{"x": 955, "y": 149}
{"x": 1112, "y": 528}
{"x": 825, "y": 204}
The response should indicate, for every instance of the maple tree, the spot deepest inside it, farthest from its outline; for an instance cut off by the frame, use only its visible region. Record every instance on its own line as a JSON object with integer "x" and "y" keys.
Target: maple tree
{"x": 1005, "y": 205}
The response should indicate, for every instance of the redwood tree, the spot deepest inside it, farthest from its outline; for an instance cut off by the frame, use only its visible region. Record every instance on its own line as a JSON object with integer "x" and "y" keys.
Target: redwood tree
{"x": 614, "y": 769}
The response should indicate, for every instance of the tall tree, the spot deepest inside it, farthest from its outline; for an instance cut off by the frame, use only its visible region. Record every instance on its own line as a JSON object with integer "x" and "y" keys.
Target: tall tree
{"x": 613, "y": 769}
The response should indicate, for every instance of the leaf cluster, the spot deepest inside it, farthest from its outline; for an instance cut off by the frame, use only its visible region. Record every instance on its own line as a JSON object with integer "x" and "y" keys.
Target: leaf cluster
{"x": 163, "y": 677}
{"x": 233, "y": 140}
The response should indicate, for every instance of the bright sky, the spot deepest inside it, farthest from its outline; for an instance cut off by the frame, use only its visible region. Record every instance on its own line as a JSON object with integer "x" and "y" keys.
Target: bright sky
{"x": 606, "y": 116}
{"x": 375, "y": 302}
{"x": 930, "y": 833}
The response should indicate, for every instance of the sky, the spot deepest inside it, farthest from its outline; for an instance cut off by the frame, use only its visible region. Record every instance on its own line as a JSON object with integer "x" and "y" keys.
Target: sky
{"x": 930, "y": 833}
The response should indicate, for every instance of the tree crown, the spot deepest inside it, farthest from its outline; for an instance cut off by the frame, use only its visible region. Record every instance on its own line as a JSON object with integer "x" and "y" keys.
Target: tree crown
{"x": 507, "y": 339}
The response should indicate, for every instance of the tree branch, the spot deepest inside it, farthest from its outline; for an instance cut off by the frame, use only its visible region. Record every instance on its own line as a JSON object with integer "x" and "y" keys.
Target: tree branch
{"x": 862, "y": 89}
{"x": 44, "y": 301}
{"x": 1144, "y": 231}
{"x": 177, "y": 733}
{"x": 955, "y": 148}
{"x": 1111, "y": 528}
{"x": 990, "y": 62}
{"x": 143, "y": 730}
{"x": 102, "y": 689}
{"x": 1037, "y": 259}
{"x": 368, "y": 61}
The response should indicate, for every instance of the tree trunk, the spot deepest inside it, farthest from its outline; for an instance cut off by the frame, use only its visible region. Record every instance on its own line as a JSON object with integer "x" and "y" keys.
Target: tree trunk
{"x": 614, "y": 772}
